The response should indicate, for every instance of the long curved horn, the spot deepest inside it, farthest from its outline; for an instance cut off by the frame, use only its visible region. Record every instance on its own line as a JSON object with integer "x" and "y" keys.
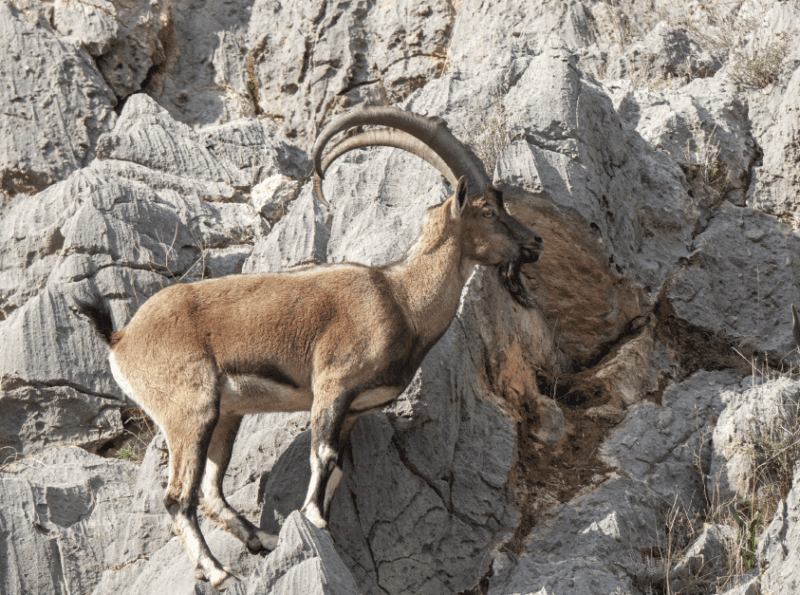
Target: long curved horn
{"x": 433, "y": 133}
{"x": 382, "y": 137}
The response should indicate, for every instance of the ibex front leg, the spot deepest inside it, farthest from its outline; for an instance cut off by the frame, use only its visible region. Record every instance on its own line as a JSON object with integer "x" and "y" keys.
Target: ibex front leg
{"x": 327, "y": 419}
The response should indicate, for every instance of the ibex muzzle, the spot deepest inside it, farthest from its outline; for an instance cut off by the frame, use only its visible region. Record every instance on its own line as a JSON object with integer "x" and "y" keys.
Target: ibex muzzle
{"x": 339, "y": 340}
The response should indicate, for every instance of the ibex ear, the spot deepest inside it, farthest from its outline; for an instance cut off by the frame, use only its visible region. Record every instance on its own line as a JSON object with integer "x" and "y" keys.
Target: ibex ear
{"x": 461, "y": 196}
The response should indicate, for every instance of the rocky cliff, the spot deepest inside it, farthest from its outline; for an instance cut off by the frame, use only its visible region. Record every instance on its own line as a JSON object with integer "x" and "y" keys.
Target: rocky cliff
{"x": 636, "y": 432}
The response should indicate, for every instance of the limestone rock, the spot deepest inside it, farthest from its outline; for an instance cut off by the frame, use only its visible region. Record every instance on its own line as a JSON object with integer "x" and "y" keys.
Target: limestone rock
{"x": 739, "y": 281}
{"x": 703, "y": 126}
{"x": 55, "y": 104}
{"x": 775, "y": 180}
{"x": 62, "y": 510}
{"x": 271, "y": 197}
{"x": 127, "y": 226}
{"x": 652, "y": 459}
{"x": 776, "y": 549}
{"x": 143, "y": 29}
{"x": 707, "y": 555}
{"x": 663, "y": 53}
{"x": 320, "y": 59}
{"x": 262, "y": 441}
{"x": 662, "y": 442}
{"x": 305, "y": 561}
{"x": 93, "y": 22}
{"x": 750, "y": 410}
{"x": 32, "y": 419}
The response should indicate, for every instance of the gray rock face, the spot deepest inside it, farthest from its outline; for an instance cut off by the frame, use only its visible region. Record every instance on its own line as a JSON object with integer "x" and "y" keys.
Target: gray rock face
{"x": 305, "y": 561}
{"x": 663, "y": 53}
{"x": 652, "y": 458}
{"x": 777, "y": 549}
{"x": 775, "y": 180}
{"x": 306, "y": 60}
{"x": 142, "y": 33}
{"x": 748, "y": 412}
{"x": 742, "y": 272}
{"x": 62, "y": 510}
{"x": 93, "y": 22}
{"x": 55, "y": 104}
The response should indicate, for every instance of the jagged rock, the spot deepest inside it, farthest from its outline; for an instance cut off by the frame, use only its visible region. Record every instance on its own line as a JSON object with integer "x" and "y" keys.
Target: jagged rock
{"x": 571, "y": 547}
{"x": 623, "y": 377}
{"x": 776, "y": 178}
{"x": 198, "y": 68}
{"x": 750, "y": 584}
{"x": 777, "y": 548}
{"x": 145, "y": 133}
{"x": 300, "y": 237}
{"x": 480, "y": 25}
{"x": 740, "y": 281}
{"x": 128, "y": 230}
{"x": 665, "y": 52}
{"x": 143, "y": 36}
{"x": 706, "y": 556}
{"x": 61, "y": 510}
{"x": 271, "y": 197}
{"x": 320, "y": 59}
{"x": 750, "y": 409}
{"x": 304, "y": 561}
{"x": 261, "y": 443}
{"x": 663, "y": 443}
{"x": 32, "y": 419}
{"x": 55, "y": 104}
{"x": 93, "y": 22}
{"x": 435, "y": 489}
{"x": 573, "y": 136}
{"x": 703, "y": 126}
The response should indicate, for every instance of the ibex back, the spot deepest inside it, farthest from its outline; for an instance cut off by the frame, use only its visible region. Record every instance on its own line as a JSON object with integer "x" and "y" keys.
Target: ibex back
{"x": 339, "y": 340}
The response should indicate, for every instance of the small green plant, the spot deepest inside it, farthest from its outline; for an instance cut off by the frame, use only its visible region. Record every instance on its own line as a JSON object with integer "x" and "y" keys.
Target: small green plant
{"x": 127, "y": 453}
{"x": 747, "y": 536}
{"x": 252, "y": 78}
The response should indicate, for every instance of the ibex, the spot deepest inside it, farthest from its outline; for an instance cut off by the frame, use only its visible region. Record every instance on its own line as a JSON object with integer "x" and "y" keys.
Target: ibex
{"x": 340, "y": 340}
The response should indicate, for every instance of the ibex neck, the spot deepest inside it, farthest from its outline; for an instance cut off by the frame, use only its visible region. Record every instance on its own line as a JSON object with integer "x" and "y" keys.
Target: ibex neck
{"x": 430, "y": 283}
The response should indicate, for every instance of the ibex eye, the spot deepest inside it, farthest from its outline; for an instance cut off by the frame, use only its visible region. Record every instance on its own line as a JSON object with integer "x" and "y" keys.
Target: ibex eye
{"x": 488, "y": 214}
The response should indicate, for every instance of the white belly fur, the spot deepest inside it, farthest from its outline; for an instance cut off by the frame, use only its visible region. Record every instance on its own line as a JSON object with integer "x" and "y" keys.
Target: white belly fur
{"x": 375, "y": 398}
{"x": 244, "y": 394}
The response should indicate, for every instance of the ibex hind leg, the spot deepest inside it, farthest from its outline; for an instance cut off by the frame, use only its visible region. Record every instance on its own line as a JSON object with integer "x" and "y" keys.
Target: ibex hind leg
{"x": 188, "y": 441}
{"x": 212, "y": 499}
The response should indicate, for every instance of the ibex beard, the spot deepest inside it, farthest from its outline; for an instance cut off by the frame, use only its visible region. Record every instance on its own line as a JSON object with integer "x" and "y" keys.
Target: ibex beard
{"x": 339, "y": 341}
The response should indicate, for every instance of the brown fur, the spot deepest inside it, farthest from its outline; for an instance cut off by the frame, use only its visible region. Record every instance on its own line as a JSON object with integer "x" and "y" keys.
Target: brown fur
{"x": 338, "y": 340}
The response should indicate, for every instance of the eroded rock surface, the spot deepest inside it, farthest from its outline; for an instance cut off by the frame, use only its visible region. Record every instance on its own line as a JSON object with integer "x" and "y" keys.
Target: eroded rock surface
{"x": 54, "y": 102}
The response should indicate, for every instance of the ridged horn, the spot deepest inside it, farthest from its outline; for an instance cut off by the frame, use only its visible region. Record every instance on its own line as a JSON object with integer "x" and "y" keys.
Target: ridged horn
{"x": 434, "y": 136}
{"x": 382, "y": 137}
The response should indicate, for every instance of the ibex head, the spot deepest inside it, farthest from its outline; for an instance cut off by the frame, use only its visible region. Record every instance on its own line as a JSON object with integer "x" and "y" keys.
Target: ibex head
{"x": 475, "y": 213}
